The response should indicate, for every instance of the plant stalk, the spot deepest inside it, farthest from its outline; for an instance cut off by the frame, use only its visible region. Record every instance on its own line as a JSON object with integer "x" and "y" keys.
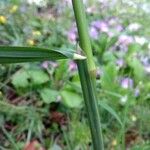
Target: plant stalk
{"x": 90, "y": 99}
{"x": 84, "y": 40}
{"x": 86, "y": 69}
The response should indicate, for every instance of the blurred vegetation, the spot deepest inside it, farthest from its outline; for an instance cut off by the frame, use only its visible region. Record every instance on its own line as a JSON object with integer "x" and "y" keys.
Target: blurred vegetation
{"x": 43, "y": 102}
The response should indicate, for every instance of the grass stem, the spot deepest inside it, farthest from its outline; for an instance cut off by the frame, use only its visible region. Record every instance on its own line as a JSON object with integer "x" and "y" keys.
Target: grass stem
{"x": 90, "y": 99}
{"x": 87, "y": 73}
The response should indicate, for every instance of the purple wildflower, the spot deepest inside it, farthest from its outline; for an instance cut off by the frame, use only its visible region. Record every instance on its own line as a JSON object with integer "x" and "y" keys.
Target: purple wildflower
{"x": 119, "y": 28}
{"x": 100, "y": 25}
{"x": 127, "y": 83}
{"x": 125, "y": 40}
{"x": 72, "y": 66}
{"x": 146, "y": 64}
{"x": 136, "y": 92}
{"x": 46, "y": 64}
{"x": 120, "y": 63}
{"x": 72, "y": 35}
{"x": 94, "y": 33}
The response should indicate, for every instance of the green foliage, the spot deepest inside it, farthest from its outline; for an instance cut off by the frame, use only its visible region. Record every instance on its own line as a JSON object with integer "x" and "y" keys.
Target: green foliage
{"x": 108, "y": 79}
{"x": 137, "y": 67}
{"x": 48, "y": 95}
{"x": 71, "y": 99}
{"x": 30, "y": 94}
{"x": 30, "y": 77}
{"x": 111, "y": 111}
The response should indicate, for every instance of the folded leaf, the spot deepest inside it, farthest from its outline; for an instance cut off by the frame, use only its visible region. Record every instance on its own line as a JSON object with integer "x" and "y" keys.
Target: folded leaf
{"x": 10, "y": 54}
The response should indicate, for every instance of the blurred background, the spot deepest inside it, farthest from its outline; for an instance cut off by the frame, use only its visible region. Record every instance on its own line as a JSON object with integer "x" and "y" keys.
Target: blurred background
{"x": 41, "y": 103}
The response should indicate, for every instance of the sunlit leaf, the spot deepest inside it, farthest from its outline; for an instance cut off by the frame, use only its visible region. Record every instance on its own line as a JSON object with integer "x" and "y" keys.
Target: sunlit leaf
{"x": 29, "y": 77}
{"x": 48, "y": 95}
{"x": 71, "y": 99}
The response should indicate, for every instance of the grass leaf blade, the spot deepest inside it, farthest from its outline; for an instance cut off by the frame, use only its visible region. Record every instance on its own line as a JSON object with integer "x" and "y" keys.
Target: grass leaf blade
{"x": 9, "y": 54}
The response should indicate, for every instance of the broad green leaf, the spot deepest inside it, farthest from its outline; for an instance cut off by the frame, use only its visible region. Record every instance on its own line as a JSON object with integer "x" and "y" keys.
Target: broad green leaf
{"x": 10, "y": 54}
{"x": 20, "y": 79}
{"x": 26, "y": 78}
{"x": 38, "y": 76}
{"x": 137, "y": 67}
{"x": 48, "y": 95}
{"x": 71, "y": 99}
{"x": 108, "y": 79}
{"x": 111, "y": 111}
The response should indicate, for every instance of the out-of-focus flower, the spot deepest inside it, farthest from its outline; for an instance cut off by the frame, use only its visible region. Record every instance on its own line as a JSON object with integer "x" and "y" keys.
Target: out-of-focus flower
{"x": 91, "y": 9}
{"x": 149, "y": 46}
{"x": 46, "y": 64}
{"x": 133, "y": 118}
{"x": 145, "y": 60}
{"x": 114, "y": 142}
{"x": 120, "y": 63}
{"x": 134, "y": 27}
{"x": 140, "y": 40}
{"x": 100, "y": 25}
{"x": 123, "y": 99}
{"x": 146, "y": 7}
{"x": 72, "y": 66}
{"x": 147, "y": 69}
{"x": 13, "y": 9}
{"x": 119, "y": 28}
{"x": 127, "y": 83}
{"x": 40, "y": 3}
{"x": 3, "y": 20}
{"x": 146, "y": 63}
{"x": 113, "y": 21}
{"x": 125, "y": 40}
{"x": 36, "y": 33}
{"x": 131, "y": 3}
{"x": 94, "y": 33}
{"x": 72, "y": 35}
{"x": 30, "y": 42}
{"x": 136, "y": 92}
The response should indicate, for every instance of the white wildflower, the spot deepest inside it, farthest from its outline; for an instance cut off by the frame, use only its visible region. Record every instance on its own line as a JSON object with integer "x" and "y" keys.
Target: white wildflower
{"x": 146, "y": 7}
{"x": 149, "y": 46}
{"x": 133, "y": 118}
{"x": 140, "y": 40}
{"x": 147, "y": 69}
{"x": 134, "y": 27}
{"x": 130, "y": 3}
{"x": 41, "y": 3}
{"x": 124, "y": 99}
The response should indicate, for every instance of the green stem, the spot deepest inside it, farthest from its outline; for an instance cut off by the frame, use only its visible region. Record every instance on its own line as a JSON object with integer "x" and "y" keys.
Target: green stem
{"x": 85, "y": 68}
{"x": 89, "y": 95}
{"x": 84, "y": 39}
